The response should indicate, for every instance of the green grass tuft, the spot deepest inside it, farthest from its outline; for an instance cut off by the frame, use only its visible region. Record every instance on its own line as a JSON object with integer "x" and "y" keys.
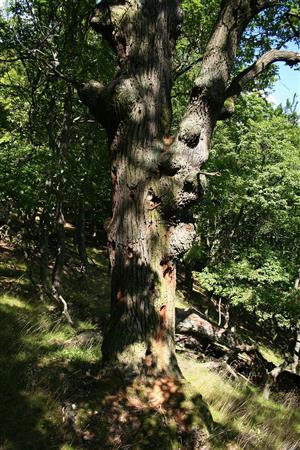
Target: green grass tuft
{"x": 245, "y": 417}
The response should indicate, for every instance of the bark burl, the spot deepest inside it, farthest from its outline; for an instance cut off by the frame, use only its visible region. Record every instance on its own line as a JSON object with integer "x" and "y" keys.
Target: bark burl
{"x": 156, "y": 179}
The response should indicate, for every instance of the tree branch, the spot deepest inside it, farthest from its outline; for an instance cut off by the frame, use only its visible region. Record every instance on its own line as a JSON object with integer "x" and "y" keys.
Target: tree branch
{"x": 263, "y": 4}
{"x": 290, "y": 15}
{"x": 229, "y": 28}
{"x": 270, "y": 57}
{"x": 253, "y": 71}
{"x": 90, "y": 93}
{"x": 104, "y": 101}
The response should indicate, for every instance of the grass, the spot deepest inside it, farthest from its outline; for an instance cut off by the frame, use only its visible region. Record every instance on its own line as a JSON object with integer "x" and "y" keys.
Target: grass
{"x": 38, "y": 373}
{"x": 247, "y": 420}
{"x": 44, "y": 370}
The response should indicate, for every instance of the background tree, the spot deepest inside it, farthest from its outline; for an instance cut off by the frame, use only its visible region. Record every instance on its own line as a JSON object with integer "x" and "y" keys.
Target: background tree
{"x": 249, "y": 220}
{"x": 48, "y": 139}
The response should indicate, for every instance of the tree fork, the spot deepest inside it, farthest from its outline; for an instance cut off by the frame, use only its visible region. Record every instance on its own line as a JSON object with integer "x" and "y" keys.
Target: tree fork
{"x": 155, "y": 183}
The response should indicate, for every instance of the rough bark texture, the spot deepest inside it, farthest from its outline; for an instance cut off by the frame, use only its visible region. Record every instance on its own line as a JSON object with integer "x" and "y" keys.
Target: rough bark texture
{"x": 143, "y": 239}
{"x": 155, "y": 177}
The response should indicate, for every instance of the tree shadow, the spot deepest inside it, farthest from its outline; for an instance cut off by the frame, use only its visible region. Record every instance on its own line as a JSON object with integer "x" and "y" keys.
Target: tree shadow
{"x": 246, "y": 418}
{"x": 25, "y": 423}
{"x": 144, "y": 413}
{"x": 53, "y": 394}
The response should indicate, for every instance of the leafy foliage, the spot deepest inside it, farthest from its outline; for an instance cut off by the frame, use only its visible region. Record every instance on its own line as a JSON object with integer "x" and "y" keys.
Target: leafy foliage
{"x": 249, "y": 219}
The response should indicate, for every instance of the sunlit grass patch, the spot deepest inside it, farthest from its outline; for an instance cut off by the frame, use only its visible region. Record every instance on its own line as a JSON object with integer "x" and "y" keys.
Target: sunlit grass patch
{"x": 12, "y": 270}
{"x": 13, "y": 301}
{"x": 241, "y": 409}
{"x": 82, "y": 325}
{"x": 83, "y": 355}
{"x": 41, "y": 359}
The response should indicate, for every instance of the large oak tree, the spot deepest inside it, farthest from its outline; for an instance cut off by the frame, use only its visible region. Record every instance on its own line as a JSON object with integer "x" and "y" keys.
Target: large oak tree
{"x": 157, "y": 177}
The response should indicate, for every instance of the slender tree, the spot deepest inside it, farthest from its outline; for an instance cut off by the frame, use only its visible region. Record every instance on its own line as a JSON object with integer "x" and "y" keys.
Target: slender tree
{"x": 297, "y": 343}
{"x": 155, "y": 177}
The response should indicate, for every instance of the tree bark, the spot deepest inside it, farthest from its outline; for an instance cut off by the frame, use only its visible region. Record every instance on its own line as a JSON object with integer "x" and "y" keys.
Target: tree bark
{"x": 62, "y": 149}
{"x": 155, "y": 177}
{"x": 80, "y": 237}
{"x": 136, "y": 112}
{"x": 60, "y": 252}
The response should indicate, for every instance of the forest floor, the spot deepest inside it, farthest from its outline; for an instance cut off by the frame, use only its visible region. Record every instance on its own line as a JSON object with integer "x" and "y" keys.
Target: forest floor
{"x": 48, "y": 370}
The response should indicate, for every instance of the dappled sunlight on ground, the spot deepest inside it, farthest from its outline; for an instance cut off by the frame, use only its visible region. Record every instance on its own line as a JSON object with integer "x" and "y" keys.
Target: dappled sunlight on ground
{"x": 54, "y": 394}
{"x": 37, "y": 371}
{"x": 243, "y": 413}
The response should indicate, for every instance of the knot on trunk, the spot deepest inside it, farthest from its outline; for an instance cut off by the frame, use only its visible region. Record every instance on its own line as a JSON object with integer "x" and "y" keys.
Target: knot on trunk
{"x": 181, "y": 238}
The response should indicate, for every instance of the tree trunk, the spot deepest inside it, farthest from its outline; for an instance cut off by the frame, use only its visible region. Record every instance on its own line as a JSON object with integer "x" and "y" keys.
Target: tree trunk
{"x": 138, "y": 119}
{"x": 44, "y": 247}
{"x": 155, "y": 177}
{"x": 297, "y": 344}
{"x": 60, "y": 252}
{"x": 296, "y": 349}
{"x": 80, "y": 238}
{"x": 62, "y": 149}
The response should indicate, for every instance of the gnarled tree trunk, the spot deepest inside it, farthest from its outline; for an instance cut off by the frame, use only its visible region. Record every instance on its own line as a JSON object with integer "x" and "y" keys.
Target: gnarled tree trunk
{"x": 136, "y": 111}
{"x": 156, "y": 177}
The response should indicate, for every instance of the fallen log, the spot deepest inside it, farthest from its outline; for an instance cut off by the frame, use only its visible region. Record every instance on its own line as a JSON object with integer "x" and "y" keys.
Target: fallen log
{"x": 201, "y": 338}
{"x": 191, "y": 321}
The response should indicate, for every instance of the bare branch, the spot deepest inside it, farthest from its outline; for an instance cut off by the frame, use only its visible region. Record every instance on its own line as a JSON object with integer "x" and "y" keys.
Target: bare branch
{"x": 209, "y": 174}
{"x": 239, "y": 82}
{"x": 270, "y": 57}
